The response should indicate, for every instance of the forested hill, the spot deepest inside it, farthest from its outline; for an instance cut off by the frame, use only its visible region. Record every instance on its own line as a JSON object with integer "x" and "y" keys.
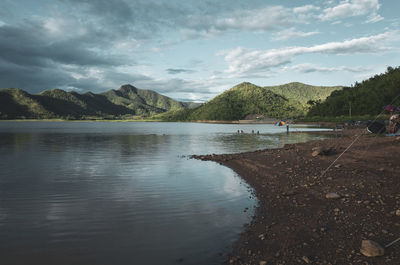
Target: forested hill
{"x": 238, "y": 102}
{"x": 284, "y": 101}
{"x": 126, "y": 102}
{"x": 303, "y": 92}
{"x": 365, "y": 98}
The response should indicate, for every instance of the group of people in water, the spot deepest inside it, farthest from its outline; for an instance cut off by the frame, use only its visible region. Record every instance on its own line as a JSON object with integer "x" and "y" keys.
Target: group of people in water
{"x": 252, "y": 131}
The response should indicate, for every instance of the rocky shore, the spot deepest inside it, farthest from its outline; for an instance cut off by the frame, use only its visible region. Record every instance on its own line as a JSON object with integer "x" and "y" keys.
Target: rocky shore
{"x": 309, "y": 215}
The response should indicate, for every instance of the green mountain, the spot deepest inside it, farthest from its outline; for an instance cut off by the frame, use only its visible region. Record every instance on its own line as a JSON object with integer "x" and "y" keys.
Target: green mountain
{"x": 126, "y": 102}
{"x": 16, "y": 103}
{"x": 303, "y": 93}
{"x": 288, "y": 100}
{"x": 365, "y": 98}
{"x": 238, "y": 102}
{"x": 143, "y": 102}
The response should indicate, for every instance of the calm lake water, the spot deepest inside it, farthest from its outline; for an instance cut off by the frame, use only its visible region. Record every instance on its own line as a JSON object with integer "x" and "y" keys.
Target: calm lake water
{"x": 124, "y": 193}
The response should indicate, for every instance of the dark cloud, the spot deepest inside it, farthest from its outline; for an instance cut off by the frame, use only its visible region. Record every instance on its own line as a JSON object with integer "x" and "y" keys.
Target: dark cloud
{"x": 35, "y": 59}
{"x": 141, "y": 19}
{"x": 32, "y": 79}
{"x": 173, "y": 71}
{"x": 28, "y": 44}
{"x": 38, "y": 79}
{"x": 117, "y": 9}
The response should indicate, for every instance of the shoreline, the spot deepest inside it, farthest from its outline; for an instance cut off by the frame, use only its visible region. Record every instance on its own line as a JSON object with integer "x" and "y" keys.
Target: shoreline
{"x": 294, "y": 222}
{"x": 255, "y": 122}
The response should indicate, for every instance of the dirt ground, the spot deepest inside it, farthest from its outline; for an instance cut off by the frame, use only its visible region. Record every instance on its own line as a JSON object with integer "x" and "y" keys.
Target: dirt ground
{"x": 295, "y": 223}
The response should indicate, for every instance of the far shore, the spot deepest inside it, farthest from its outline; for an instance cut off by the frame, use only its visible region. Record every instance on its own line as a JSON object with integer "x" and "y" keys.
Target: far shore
{"x": 269, "y": 121}
{"x": 296, "y": 222}
{"x": 108, "y": 120}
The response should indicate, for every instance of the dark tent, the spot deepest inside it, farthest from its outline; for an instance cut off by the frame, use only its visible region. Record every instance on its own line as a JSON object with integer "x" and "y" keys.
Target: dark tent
{"x": 376, "y": 127}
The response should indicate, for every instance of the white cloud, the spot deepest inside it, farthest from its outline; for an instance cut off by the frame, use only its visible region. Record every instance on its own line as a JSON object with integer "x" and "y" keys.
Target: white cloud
{"x": 63, "y": 28}
{"x": 259, "y": 19}
{"x": 292, "y": 33}
{"x": 128, "y": 45}
{"x": 243, "y": 62}
{"x": 310, "y": 68}
{"x": 264, "y": 19}
{"x": 371, "y": 44}
{"x": 350, "y": 8}
{"x": 171, "y": 86}
{"x": 305, "y": 9}
{"x": 194, "y": 97}
{"x": 374, "y": 18}
{"x": 276, "y": 17}
{"x": 305, "y": 14}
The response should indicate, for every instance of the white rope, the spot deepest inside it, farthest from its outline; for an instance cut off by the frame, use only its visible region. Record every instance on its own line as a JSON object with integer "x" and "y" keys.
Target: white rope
{"x": 323, "y": 173}
{"x": 391, "y": 243}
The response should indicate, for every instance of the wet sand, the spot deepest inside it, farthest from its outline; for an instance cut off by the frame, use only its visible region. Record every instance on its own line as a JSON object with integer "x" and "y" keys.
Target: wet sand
{"x": 294, "y": 222}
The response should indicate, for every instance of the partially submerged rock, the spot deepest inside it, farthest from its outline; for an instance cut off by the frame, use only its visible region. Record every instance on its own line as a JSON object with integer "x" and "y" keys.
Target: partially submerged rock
{"x": 370, "y": 248}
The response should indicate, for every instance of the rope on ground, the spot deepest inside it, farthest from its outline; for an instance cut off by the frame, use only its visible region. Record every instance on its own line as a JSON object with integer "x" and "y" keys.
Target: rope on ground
{"x": 393, "y": 242}
{"x": 323, "y": 173}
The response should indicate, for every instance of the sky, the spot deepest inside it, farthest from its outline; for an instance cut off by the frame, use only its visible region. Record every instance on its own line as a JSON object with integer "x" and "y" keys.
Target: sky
{"x": 193, "y": 50}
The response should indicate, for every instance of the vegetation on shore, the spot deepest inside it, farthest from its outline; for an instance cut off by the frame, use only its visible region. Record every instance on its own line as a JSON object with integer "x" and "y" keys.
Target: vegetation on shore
{"x": 363, "y": 99}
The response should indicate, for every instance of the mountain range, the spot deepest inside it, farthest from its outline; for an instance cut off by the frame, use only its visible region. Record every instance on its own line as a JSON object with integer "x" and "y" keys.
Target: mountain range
{"x": 129, "y": 102}
{"x": 126, "y": 102}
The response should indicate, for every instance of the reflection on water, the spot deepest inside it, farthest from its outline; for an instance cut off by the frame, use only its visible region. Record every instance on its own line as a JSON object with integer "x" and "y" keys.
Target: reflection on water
{"x": 121, "y": 193}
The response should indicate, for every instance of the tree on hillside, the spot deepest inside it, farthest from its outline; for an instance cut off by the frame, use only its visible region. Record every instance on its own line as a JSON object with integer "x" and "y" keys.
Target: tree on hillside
{"x": 365, "y": 98}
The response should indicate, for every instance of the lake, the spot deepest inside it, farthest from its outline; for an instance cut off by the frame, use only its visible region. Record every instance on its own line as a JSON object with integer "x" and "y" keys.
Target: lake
{"x": 125, "y": 192}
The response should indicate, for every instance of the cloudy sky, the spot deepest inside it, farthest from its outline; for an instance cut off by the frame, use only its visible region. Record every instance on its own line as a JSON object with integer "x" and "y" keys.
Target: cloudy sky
{"x": 193, "y": 49}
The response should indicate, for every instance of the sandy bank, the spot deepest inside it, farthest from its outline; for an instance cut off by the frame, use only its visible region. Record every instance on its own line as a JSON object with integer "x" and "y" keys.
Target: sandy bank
{"x": 296, "y": 224}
